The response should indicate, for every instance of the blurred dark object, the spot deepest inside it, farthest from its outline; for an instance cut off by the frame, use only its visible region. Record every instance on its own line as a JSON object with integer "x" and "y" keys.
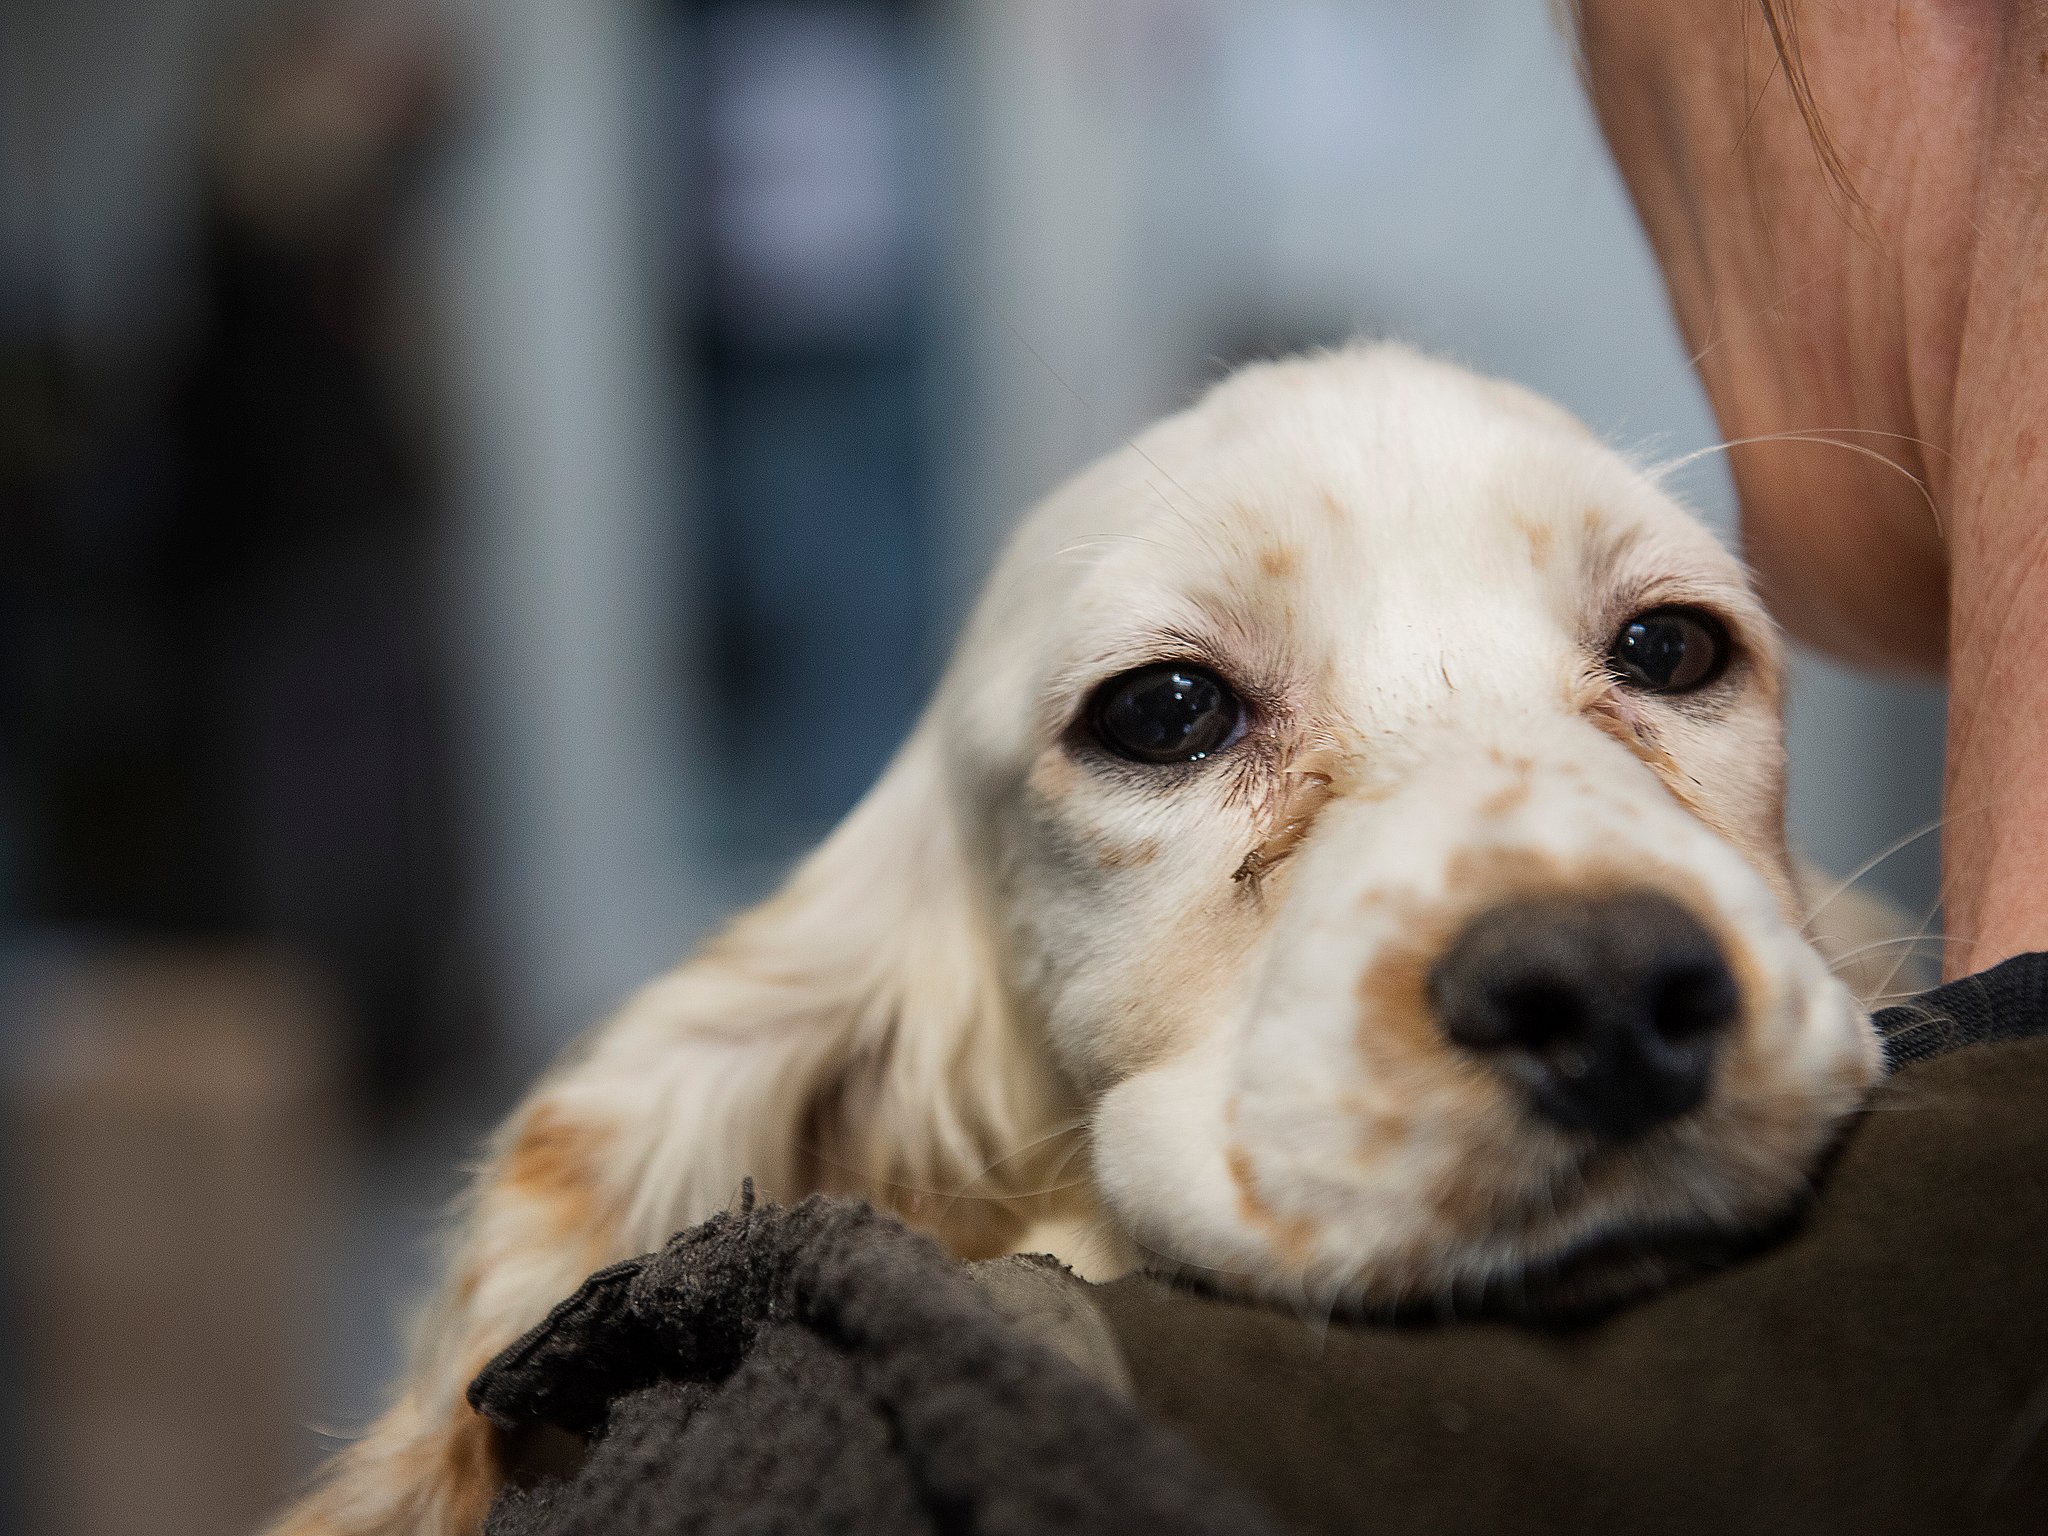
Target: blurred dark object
{"x": 225, "y": 703}
{"x": 172, "y": 1118}
{"x": 809, "y": 339}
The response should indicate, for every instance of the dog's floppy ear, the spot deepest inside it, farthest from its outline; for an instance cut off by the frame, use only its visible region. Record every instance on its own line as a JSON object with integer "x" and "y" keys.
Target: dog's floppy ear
{"x": 847, "y": 1034}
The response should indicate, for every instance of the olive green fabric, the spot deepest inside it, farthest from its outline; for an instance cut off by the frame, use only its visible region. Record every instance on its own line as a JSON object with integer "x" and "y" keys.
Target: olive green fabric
{"x": 1883, "y": 1369}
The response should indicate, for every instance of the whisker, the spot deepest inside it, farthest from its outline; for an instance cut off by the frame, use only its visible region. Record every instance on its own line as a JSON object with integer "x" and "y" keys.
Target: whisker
{"x": 1102, "y": 540}
{"x": 1060, "y": 1184}
{"x": 1176, "y": 1262}
{"x": 1899, "y": 845}
{"x": 964, "y": 1191}
{"x": 1837, "y": 961}
{"x": 1893, "y": 974}
{"x": 1659, "y": 471}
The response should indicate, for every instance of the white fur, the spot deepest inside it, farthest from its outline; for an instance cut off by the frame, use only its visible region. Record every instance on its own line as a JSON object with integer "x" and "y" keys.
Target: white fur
{"x": 1025, "y": 985}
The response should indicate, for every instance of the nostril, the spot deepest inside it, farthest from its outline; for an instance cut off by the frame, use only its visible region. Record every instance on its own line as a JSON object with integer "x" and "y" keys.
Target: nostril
{"x": 1693, "y": 1001}
{"x": 1538, "y": 1012}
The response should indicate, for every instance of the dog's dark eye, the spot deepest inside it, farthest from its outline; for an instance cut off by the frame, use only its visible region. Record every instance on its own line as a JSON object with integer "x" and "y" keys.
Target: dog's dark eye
{"x": 1669, "y": 650}
{"x": 1170, "y": 713}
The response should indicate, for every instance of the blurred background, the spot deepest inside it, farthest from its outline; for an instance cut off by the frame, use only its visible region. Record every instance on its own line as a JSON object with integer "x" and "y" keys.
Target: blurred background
{"x": 483, "y": 484}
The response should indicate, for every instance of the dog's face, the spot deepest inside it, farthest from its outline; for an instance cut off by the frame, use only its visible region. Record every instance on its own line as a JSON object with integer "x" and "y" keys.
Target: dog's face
{"x": 1376, "y": 786}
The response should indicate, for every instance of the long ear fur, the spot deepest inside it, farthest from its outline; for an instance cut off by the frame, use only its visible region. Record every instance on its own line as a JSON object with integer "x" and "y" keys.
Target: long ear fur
{"x": 847, "y": 1034}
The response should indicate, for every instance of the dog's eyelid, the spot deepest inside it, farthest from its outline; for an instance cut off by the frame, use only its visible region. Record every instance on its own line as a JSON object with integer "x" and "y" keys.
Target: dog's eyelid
{"x": 1739, "y": 619}
{"x": 1723, "y": 597}
{"x": 1075, "y": 684}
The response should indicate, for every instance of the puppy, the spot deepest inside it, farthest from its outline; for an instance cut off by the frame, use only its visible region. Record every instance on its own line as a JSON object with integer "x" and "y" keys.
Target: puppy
{"x": 1345, "y": 860}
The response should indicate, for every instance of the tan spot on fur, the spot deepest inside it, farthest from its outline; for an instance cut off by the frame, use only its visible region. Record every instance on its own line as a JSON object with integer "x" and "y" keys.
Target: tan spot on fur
{"x": 556, "y": 1163}
{"x": 1334, "y": 507}
{"x": 1380, "y": 1136}
{"x": 1280, "y": 562}
{"x": 1768, "y": 854}
{"x": 1399, "y": 1037}
{"x": 1395, "y": 1020}
{"x": 1507, "y": 798}
{"x": 452, "y": 1469}
{"x": 473, "y": 1466}
{"x": 1163, "y": 1024}
{"x": 1491, "y": 874}
{"x": 1292, "y": 1237}
{"x": 1128, "y": 856}
{"x": 1054, "y": 774}
{"x": 1541, "y": 538}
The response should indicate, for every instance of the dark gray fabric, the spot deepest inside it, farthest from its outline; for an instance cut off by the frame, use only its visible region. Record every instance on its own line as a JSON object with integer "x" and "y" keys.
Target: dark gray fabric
{"x": 1043, "y": 1299}
{"x": 820, "y": 1368}
{"x": 2007, "y": 1002}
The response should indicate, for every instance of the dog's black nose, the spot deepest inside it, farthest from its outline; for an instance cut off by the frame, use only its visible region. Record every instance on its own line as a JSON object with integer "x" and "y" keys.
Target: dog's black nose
{"x": 1606, "y": 1009}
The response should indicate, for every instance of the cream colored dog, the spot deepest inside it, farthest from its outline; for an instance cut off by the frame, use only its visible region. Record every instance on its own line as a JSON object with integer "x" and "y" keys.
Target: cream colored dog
{"x": 1350, "y": 835}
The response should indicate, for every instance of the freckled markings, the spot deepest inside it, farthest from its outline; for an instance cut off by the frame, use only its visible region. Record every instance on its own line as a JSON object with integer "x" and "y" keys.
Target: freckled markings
{"x": 555, "y": 1164}
{"x": 1507, "y": 798}
{"x": 1134, "y": 856}
{"x": 1293, "y": 1236}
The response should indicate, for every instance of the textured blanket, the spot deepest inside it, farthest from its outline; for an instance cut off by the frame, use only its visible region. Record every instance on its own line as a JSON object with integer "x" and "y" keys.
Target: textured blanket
{"x": 821, "y": 1368}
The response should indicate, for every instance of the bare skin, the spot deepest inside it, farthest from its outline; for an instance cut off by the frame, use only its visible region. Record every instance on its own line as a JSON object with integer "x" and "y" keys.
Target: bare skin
{"x": 1882, "y": 283}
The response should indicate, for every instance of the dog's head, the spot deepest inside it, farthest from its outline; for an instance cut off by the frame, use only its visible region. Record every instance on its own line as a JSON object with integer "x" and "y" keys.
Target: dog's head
{"x": 1372, "y": 791}
{"x": 1359, "y": 803}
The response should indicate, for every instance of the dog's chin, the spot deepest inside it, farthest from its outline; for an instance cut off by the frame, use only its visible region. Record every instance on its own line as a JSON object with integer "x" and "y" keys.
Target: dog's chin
{"x": 1587, "y": 1279}
{"x": 1571, "y": 1286}
{"x": 1551, "y": 1268}
{"x": 1615, "y": 1258}
{"x": 1600, "y": 1264}
{"x": 1575, "y": 1283}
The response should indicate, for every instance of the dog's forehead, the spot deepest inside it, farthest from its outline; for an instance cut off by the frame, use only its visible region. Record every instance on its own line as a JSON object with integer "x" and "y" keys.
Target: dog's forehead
{"x": 1352, "y": 489}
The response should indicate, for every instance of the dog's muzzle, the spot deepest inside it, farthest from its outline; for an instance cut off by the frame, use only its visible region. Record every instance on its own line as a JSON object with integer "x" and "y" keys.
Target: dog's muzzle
{"x": 1605, "y": 1010}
